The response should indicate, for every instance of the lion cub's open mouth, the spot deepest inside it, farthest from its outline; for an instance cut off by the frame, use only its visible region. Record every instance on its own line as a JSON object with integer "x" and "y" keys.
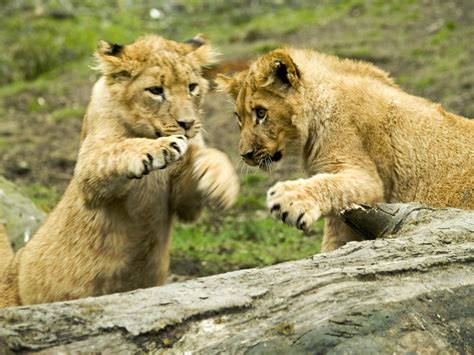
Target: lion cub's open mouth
{"x": 277, "y": 156}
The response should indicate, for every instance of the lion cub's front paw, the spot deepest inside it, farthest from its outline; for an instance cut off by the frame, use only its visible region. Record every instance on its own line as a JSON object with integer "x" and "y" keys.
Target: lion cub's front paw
{"x": 217, "y": 178}
{"x": 157, "y": 154}
{"x": 291, "y": 202}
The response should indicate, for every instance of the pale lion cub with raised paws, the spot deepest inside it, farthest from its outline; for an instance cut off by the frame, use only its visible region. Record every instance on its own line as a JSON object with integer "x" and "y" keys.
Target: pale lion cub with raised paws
{"x": 142, "y": 161}
{"x": 362, "y": 140}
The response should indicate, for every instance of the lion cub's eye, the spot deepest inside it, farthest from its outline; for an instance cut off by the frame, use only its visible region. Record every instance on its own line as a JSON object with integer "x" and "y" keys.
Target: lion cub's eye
{"x": 155, "y": 90}
{"x": 260, "y": 114}
{"x": 192, "y": 87}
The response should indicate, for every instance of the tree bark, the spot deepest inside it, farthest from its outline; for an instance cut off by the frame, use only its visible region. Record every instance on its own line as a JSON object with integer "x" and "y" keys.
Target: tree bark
{"x": 413, "y": 290}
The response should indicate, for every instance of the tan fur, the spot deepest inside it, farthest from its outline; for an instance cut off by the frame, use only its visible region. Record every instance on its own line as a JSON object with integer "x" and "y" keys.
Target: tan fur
{"x": 362, "y": 140}
{"x": 6, "y": 251}
{"x": 111, "y": 232}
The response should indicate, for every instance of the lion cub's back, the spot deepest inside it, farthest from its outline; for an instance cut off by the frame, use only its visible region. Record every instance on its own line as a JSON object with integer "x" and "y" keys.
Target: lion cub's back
{"x": 436, "y": 157}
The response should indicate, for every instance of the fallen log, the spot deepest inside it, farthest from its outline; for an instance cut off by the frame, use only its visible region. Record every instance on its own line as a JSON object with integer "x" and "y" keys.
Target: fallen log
{"x": 412, "y": 290}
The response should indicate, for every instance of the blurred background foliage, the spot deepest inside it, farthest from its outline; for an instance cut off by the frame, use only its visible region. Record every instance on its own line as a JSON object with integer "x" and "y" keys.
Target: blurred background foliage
{"x": 46, "y": 78}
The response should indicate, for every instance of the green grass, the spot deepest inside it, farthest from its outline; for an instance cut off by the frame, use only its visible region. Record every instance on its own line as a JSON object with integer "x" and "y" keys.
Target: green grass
{"x": 245, "y": 236}
{"x": 240, "y": 243}
{"x": 67, "y": 113}
{"x": 44, "y": 43}
{"x": 45, "y": 197}
{"x": 442, "y": 51}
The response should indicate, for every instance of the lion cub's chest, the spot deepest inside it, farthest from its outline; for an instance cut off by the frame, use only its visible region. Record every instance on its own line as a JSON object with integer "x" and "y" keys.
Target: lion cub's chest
{"x": 149, "y": 197}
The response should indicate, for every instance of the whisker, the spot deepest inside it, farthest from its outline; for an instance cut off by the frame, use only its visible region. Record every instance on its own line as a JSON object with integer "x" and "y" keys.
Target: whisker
{"x": 240, "y": 167}
{"x": 244, "y": 171}
{"x": 269, "y": 165}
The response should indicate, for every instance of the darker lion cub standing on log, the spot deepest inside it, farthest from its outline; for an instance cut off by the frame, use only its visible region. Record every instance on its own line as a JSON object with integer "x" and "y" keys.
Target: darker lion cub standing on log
{"x": 360, "y": 137}
{"x": 141, "y": 162}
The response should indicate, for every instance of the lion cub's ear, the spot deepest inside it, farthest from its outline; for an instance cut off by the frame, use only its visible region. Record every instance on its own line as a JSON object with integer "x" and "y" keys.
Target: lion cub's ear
{"x": 230, "y": 84}
{"x": 109, "y": 59}
{"x": 278, "y": 67}
{"x": 202, "y": 52}
{"x": 227, "y": 85}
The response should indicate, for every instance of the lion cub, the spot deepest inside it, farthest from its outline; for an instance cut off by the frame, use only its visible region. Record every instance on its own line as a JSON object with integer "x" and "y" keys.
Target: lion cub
{"x": 361, "y": 138}
{"x": 142, "y": 161}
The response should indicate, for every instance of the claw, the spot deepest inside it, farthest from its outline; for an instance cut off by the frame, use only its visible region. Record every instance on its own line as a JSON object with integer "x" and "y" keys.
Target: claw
{"x": 150, "y": 158}
{"x": 146, "y": 165}
{"x": 302, "y": 226}
{"x": 299, "y": 224}
{"x": 275, "y": 208}
{"x": 176, "y": 146}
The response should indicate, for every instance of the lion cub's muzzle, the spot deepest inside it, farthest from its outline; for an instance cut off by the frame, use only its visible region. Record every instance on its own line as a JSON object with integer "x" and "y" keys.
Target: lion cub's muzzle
{"x": 263, "y": 160}
{"x": 188, "y": 128}
{"x": 186, "y": 124}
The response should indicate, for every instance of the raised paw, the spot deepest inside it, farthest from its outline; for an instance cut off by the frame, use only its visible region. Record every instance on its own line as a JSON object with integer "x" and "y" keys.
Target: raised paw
{"x": 291, "y": 202}
{"x": 157, "y": 154}
{"x": 217, "y": 179}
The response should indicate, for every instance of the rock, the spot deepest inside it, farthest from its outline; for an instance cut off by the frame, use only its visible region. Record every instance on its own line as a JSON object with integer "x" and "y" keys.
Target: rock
{"x": 18, "y": 213}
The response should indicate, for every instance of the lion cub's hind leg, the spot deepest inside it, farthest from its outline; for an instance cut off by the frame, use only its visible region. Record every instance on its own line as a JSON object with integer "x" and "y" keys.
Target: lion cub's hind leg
{"x": 8, "y": 273}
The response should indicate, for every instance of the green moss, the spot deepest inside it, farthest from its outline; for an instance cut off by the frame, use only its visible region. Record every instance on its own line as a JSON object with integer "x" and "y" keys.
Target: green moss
{"x": 91, "y": 309}
{"x": 284, "y": 328}
{"x": 166, "y": 342}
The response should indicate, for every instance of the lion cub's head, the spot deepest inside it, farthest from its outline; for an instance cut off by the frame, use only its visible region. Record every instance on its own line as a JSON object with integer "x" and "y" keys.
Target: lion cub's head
{"x": 268, "y": 103}
{"x": 156, "y": 84}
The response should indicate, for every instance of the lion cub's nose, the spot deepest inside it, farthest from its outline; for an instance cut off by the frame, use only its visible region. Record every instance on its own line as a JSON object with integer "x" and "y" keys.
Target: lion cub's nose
{"x": 185, "y": 124}
{"x": 248, "y": 155}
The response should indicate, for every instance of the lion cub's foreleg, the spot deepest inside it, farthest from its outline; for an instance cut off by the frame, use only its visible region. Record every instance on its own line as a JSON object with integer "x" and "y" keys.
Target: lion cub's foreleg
{"x": 300, "y": 203}
{"x": 104, "y": 168}
{"x": 336, "y": 234}
{"x": 207, "y": 178}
